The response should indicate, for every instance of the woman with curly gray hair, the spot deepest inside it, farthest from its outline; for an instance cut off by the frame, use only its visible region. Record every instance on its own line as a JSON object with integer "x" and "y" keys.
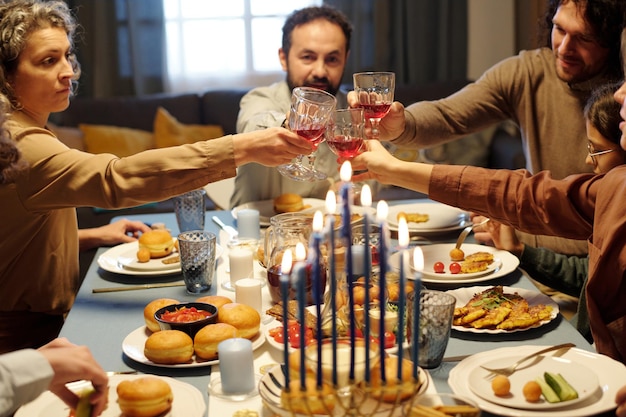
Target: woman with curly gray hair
{"x": 39, "y": 273}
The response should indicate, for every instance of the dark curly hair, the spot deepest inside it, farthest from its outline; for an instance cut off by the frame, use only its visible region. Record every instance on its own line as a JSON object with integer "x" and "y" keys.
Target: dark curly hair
{"x": 602, "y": 111}
{"x": 309, "y": 14}
{"x": 10, "y": 162}
{"x": 18, "y": 20}
{"x": 606, "y": 18}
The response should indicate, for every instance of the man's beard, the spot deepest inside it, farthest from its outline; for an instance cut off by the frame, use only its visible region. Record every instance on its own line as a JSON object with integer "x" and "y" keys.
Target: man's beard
{"x": 329, "y": 87}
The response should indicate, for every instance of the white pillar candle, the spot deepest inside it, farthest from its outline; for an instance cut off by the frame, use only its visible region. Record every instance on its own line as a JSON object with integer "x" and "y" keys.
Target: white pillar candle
{"x": 248, "y": 223}
{"x": 248, "y": 291}
{"x": 236, "y": 366}
{"x": 358, "y": 260}
{"x": 241, "y": 265}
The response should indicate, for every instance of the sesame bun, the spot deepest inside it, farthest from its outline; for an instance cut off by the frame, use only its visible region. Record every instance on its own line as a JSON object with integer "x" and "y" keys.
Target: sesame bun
{"x": 206, "y": 340}
{"x": 245, "y": 318}
{"x": 152, "y": 307}
{"x": 391, "y": 392}
{"x": 169, "y": 347}
{"x": 288, "y": 202}
{"x": 159, "y": 242}
{"x": 216, "y": 300}
{"x": 144, "y": 397}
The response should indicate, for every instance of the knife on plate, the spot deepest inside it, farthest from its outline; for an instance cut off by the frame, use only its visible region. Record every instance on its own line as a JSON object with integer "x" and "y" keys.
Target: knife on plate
{"x": 138, "y": 287}
{"x": 232, "y": 232}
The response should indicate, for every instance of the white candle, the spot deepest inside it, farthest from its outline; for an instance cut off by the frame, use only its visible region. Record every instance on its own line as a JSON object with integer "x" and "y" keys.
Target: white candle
{"x": 248, "y": 291}
{"x": 248, "y": 223}
{"x": 241, "y": 265}
{"x": 236, "y": 366}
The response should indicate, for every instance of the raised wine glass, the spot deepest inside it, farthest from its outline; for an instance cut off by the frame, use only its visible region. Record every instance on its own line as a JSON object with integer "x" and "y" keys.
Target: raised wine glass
{"x": 309, "y": 114}
{"x": 345, "y": 132}
{"x": 375, "y": 91}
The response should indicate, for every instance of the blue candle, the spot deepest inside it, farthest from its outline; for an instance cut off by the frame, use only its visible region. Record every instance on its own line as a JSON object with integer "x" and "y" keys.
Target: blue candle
{"x": 382, "y": 209}
{"x": 285, "y": 269}
{"x": 331, "y": 206}
{"x": 366, "y": 202}
{"x": 403, "y": 241}
{"x": 418, "y": 264}
{"x": 315, "y": 259}
{"x": 299, "y": 270}
{"x": 345, "y": 173}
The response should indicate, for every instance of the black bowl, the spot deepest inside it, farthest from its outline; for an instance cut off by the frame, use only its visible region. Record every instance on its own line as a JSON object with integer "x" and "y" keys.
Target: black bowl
{"x": 189, "y": 327}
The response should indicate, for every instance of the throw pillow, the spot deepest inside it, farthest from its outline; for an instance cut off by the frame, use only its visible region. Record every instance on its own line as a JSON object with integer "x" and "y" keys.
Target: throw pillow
{"x": 168, "y": 131}
{"x": 120, "y": 141}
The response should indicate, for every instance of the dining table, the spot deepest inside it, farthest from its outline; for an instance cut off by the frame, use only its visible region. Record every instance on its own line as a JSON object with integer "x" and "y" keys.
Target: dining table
{"x": 107, "y": 310}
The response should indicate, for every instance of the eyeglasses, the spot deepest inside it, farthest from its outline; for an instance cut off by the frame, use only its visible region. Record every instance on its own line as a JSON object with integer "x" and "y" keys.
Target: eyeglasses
{"x": 593, "y": 153}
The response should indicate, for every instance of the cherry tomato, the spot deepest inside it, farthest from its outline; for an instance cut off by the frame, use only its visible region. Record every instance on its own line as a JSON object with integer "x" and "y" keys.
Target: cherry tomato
{"x": 279, "y": 336}
{"x": 455, "y": 268}
{"x": 438, "y": 267}
{"x": 390, "y": 339}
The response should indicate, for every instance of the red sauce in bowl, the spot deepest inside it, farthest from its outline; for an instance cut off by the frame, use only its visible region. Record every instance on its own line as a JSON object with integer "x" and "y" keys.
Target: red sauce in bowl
{"x": 185, "y": 315}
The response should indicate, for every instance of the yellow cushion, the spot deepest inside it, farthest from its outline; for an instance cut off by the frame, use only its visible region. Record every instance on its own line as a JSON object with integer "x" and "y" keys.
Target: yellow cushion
{"x": 168, "y": 131}
{"x": 120, "y": 141}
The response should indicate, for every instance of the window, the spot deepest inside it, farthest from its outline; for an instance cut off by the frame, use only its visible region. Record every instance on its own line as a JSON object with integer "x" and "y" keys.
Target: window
{"x": 225, "y": 43}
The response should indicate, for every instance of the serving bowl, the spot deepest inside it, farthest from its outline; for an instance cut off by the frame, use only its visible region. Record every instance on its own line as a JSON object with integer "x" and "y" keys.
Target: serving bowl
{"x": 186, "y": 317}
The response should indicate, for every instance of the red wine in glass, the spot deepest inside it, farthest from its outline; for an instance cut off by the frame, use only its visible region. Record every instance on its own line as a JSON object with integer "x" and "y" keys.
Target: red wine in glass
{"x": 376, "y": 111}
{"x": 313, "y": 135}
{"x": 345, "y": 147}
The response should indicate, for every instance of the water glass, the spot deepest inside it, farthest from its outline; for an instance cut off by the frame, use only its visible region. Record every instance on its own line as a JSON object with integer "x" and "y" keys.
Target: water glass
{"x": 190, "y": 210}
{"x": 197, "y": 259}
{"x": 435, "y": 323}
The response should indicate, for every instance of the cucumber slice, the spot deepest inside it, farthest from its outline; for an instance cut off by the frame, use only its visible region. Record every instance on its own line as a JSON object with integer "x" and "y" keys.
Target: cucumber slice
{"x": 547, "y": 392}
{"x": 560, "y": 386}
{"x": 83, "y": 409}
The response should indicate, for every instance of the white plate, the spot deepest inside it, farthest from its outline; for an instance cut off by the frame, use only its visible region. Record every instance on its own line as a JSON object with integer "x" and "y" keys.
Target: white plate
{"x": 122, "y": 259}
{"x": 188, "y": 400}
{"x": 441, "y": 216}
{"x": 134, "y": 343}
{"x": 266, "y": 208}
{"x": 611, "y": 376}
{"x": 441, "y": 253}
{"x": 581, "y": 378}
{"x": 464, "y": 294}
{"x": 270, "y": 393}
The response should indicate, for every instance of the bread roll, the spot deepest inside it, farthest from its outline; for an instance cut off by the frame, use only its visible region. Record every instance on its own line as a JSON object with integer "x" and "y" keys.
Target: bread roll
{"x": 152, "y": 307}
{"x": 169, "y": 347}
{"x": 288, "y": 202}
{"x": 216, "y": 300}
{"x": 159, "y": 242}
{"x": 245, "y": 318}
{"x": 393, "y": 389}
{"x": 206, "y": 340}
{"x": 144, "y": 397}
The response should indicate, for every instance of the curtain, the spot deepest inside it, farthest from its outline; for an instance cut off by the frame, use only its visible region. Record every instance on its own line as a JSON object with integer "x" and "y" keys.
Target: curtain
{"x": 120, "y": 46}
{"x": 420, "y": 40}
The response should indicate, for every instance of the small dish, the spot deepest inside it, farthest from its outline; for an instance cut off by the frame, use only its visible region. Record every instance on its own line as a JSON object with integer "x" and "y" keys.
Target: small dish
{"x": 192, "y": 317}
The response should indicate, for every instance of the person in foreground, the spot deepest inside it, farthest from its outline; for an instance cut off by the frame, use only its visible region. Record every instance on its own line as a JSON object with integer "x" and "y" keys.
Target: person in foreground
{"x": 39, "y": 271}
{"x": 583, "y": 206}
{"x": 315, "y": 47}
{"x": 568, "y": 274}
{"x": 26, "y": 373}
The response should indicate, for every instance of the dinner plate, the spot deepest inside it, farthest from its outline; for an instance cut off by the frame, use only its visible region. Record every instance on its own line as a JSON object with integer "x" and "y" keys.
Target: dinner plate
{"x": 441, "y": 217}
{"x": 440, "y": 252}
{"x": 188, "y": 400}
{"x": 134, "y": 343}
{"x": 611, "y": 375}
{"x": 266, "y": 208}
{"x": 581, "y": 378}
{"x": 122, "y": 259}
{"x": 464, "y": 294}
{"x": 270, "y": 383}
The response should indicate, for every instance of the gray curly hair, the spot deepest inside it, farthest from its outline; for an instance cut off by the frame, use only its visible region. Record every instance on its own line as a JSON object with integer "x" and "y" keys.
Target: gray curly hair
{"x": 18, "y": 20}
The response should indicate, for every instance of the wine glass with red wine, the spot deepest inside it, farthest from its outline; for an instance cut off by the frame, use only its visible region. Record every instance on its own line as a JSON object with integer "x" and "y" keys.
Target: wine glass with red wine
{"x": 345, "y": 132}
{"x": 309, "y": 115}
{"x": 375, "y": 92}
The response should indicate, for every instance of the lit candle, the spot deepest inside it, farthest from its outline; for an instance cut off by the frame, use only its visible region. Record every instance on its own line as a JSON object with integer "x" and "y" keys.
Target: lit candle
{"x": 315, "y": 259}
{"x": 285, "y": 269}
{"x": 403, "y": 242}
{"x": 366, "y": 202}
{"x": 299, "y": 270}
{"x": 345, "y": 173}
{"x": 418, "y": 264}
{"x": 382, "y": 210}
{"x": 331, "y": 206}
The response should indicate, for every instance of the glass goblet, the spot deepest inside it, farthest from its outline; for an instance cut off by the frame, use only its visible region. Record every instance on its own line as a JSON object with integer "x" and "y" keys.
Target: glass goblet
{"x": 345, "y": 132}
{"x": 375, "y": 92}
{"x": 309, "y": 114}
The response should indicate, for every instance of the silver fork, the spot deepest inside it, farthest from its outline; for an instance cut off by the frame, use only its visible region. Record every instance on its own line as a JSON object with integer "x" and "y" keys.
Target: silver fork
{"x": 467, "y": 231}
{"x": 508, "y": 370}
